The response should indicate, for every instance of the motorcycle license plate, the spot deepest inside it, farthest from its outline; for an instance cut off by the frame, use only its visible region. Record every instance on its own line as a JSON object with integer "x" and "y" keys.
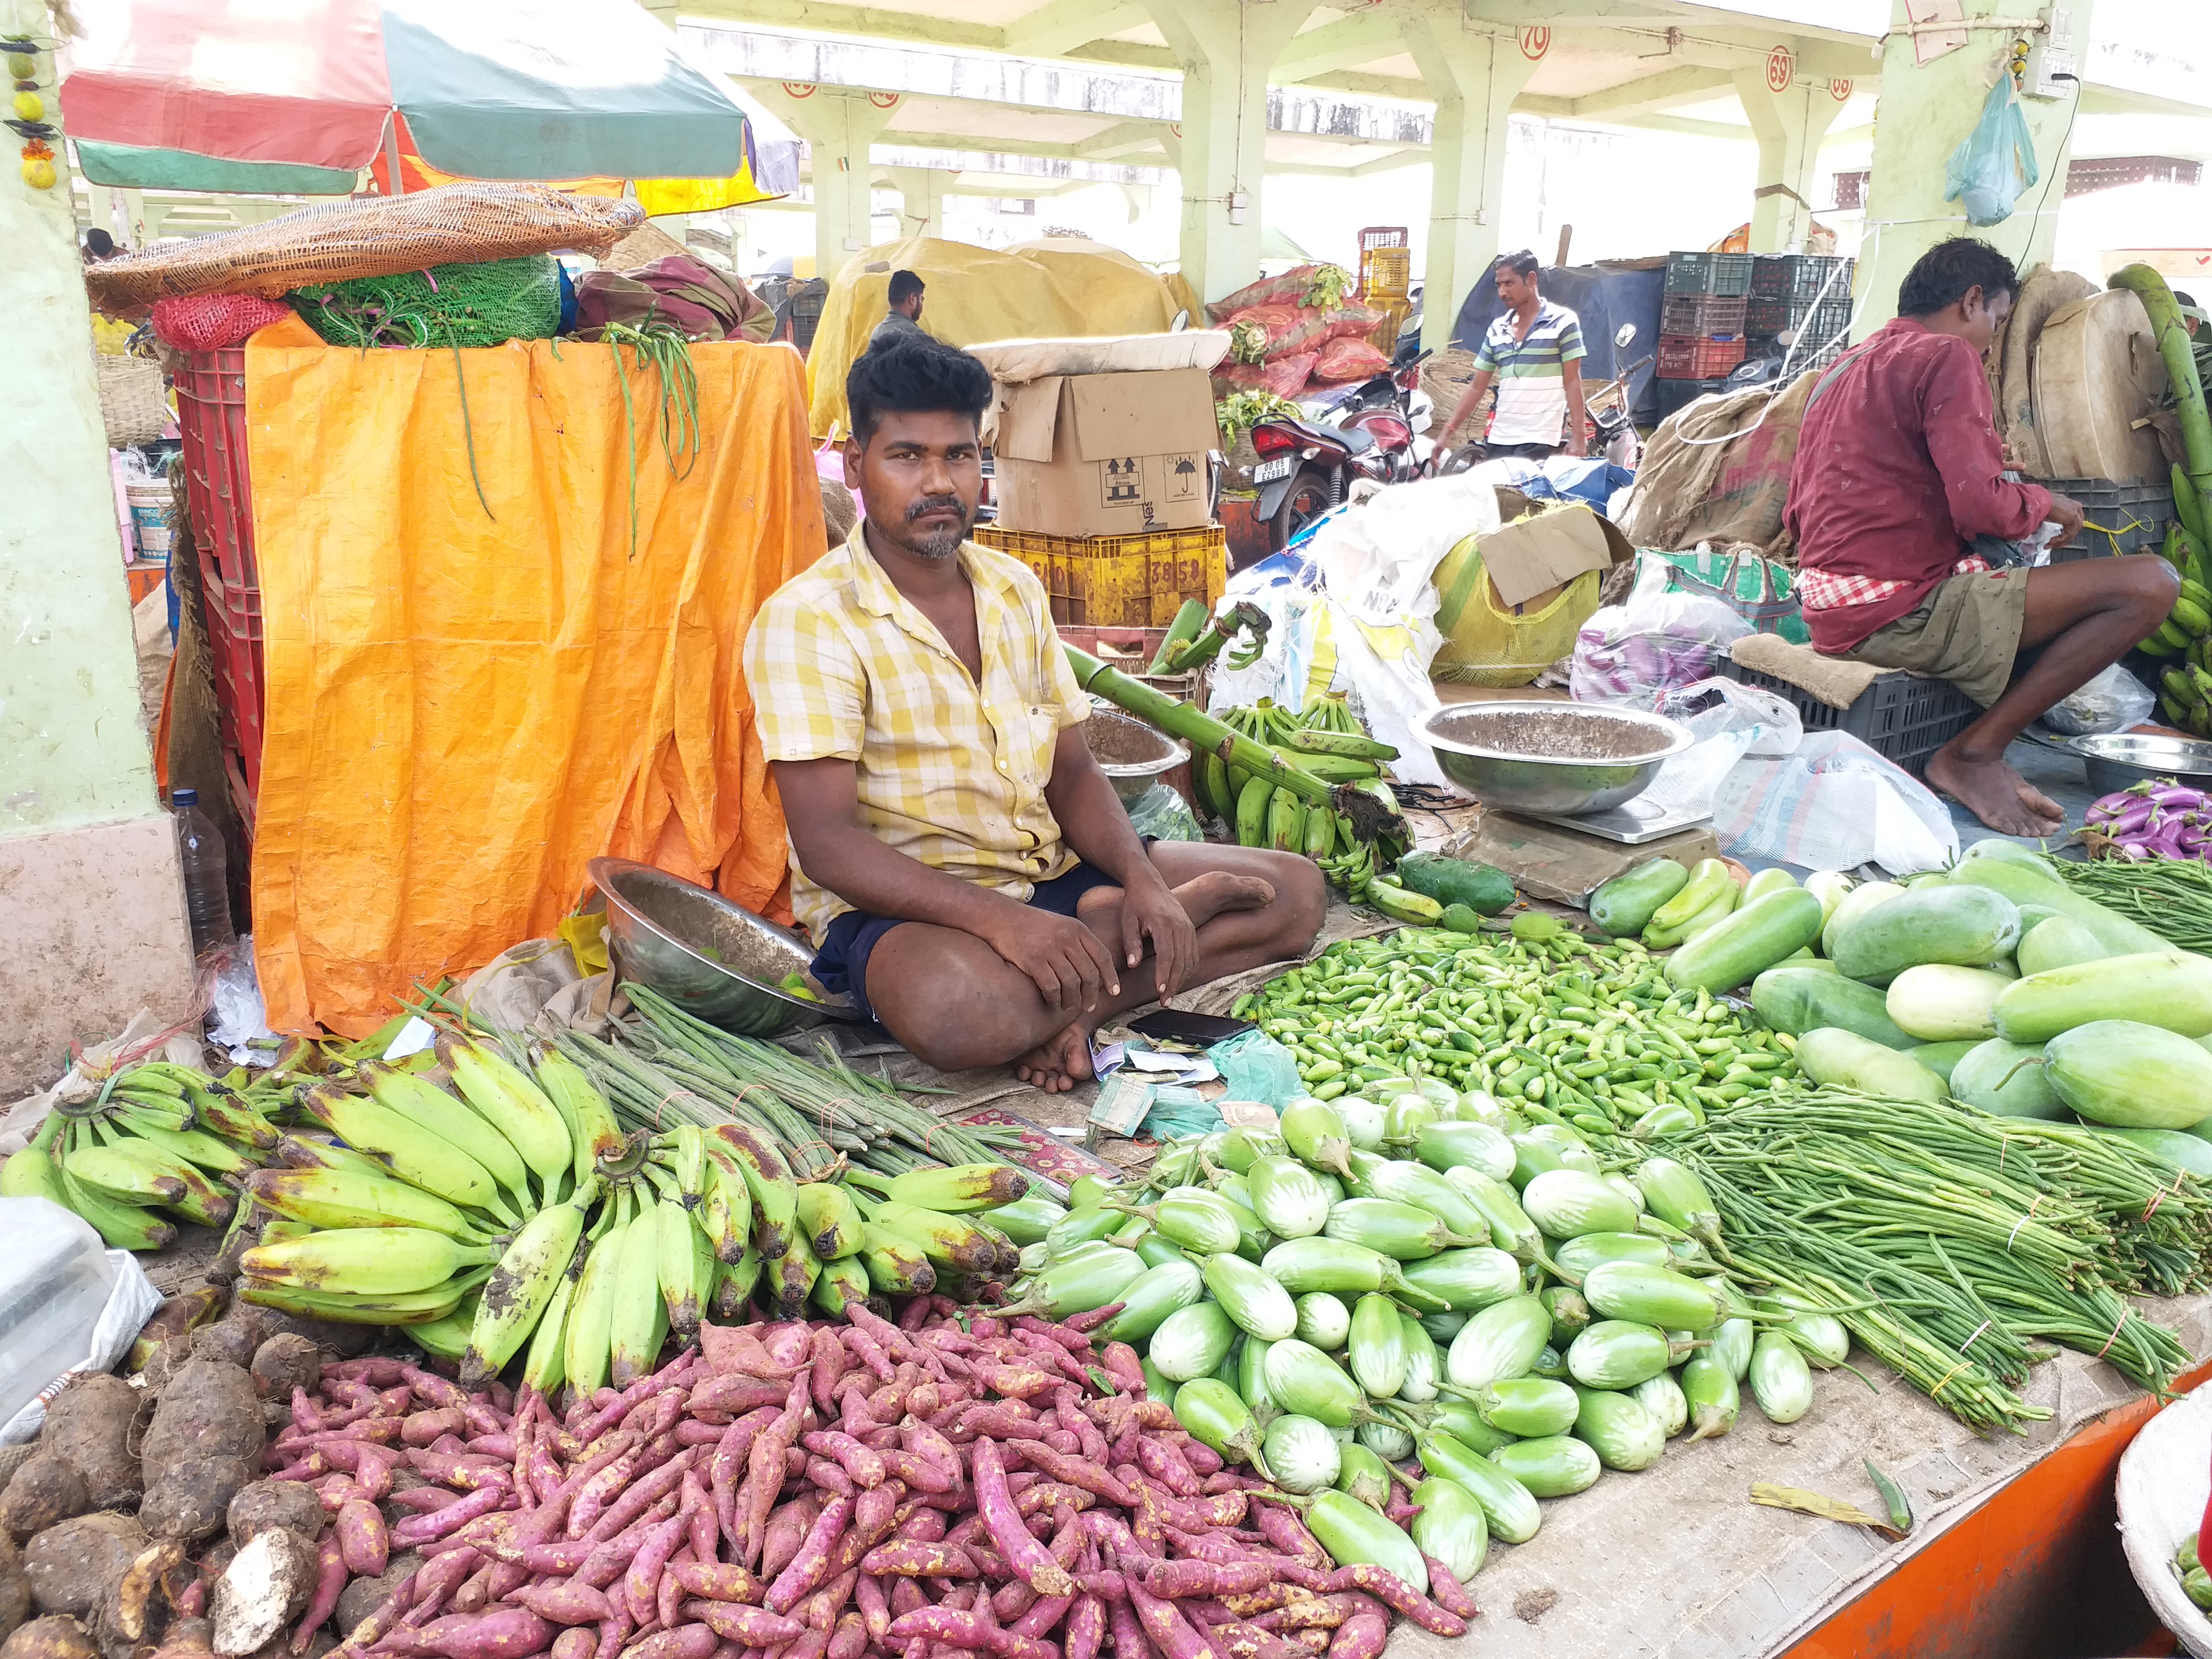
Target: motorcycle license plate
{"x": 1267, "y": 471}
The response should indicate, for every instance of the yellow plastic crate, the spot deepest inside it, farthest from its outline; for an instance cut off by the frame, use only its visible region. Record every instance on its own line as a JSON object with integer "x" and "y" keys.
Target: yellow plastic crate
{"x": 1119, "y": 582}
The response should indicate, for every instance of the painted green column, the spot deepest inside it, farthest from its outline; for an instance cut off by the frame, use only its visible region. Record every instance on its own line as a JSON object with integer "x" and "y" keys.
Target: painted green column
{"x": 1789, "y": 124}
{"x": 838, "y": 127}
{"x": 1927, "y": 110}
{"x": 88, "y": 873}
{"x": 1475, "y": 77}
{"x": 1226, "y": 48}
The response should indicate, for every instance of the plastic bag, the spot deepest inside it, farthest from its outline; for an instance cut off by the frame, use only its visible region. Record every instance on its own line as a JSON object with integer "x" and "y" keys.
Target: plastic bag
{"x": 1758, "y": 589}
{"x": 1489, "y": 643}
{"x": 66, "y": 1305}
{"x": 2115, "y": 701}
{"x": 1833, "y": 805}
{"x": 1659, "y": 642}
{"x": 1349, "y": 357}
{"x": 1727, "y": 720}
{"x": 1163, "y": 815}
{"x": 236, "y": 1018}
{"x": 1996, "y": 162}
{"x": 1257, "y": 1068}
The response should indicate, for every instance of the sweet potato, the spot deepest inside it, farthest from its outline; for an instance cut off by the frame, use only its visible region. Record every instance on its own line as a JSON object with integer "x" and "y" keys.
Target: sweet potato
{"x": 265, "y": 1586}
{"x": 70, "y": 1566}
{"x": 89, "y": 1426}
{"x": 45, "y": 1491}
{"x": 265, "y": 1503}
{"x": 193, "y": 1499}
{"x": 55, "y": 1636}
{"x": 285, "y": 1361}
{"x": 15, "y": 1589}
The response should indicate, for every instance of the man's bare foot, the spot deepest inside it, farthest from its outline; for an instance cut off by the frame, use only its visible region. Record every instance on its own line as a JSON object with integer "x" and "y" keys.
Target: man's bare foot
{"x": 1218, "y": 892}
{"x": 1059, "y": 1063}
{"x": 1995, "y": 794}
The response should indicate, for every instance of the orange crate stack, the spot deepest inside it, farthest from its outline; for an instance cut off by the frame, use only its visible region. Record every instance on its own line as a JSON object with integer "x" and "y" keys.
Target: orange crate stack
{"x": 1119, "y": 582}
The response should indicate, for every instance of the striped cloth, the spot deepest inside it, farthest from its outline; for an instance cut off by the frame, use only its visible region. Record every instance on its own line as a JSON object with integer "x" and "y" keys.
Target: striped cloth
{"x": 841, "y": 665}
{"x": 1532, "y": 392}
{"x": 1819, "y": 591}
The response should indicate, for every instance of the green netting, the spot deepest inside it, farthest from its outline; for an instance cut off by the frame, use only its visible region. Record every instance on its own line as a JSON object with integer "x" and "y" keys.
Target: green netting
{"x": 458, "y": 305}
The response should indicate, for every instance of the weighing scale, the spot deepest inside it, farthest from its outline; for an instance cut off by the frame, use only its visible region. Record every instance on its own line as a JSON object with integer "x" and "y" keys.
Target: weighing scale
{"x": 1632, "y": 823}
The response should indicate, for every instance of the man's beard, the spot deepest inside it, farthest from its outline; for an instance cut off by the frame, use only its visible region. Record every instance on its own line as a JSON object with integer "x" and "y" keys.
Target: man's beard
{"x": 935, "y": 543}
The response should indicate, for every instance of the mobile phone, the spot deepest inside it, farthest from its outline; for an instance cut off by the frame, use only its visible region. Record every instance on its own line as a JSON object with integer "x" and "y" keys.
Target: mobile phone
{"x": 1173, "y": 1025}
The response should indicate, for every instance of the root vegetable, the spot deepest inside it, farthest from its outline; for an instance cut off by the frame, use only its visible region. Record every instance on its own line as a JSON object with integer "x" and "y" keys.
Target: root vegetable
{"x": 285, "y": 1361}
{"x": 330, "y": 1580}
{"x": 269, "y": 1581}
{"x": 15, "y": 1589}
{"x": 55, "y": 1636}
{"x": 191, "y": 1500}
{"x": 266, "y": 1503}
{"x": 89, "y": 1427}
{"x": 362, "y": 1537}
{"x": 69, "y": 1567}
{"x": 44, "y": 1492}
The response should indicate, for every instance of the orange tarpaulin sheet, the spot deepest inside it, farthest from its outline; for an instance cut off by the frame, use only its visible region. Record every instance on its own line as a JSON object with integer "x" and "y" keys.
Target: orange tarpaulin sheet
{"x": 464, "y": 707}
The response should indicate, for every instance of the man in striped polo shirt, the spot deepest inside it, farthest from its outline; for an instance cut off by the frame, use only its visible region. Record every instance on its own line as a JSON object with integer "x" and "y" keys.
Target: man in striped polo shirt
{"x": 1535, "y": 353}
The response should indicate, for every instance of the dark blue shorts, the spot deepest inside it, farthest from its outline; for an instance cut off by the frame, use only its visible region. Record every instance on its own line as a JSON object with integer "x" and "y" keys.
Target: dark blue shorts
{"x": 841, "y": 965}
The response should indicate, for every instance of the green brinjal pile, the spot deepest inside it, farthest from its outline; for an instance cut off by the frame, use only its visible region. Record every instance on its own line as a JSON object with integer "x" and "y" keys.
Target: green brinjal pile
{"x": 1412, "y": 1271}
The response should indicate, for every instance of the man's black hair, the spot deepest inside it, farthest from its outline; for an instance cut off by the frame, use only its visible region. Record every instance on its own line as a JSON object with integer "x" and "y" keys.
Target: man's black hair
{"x": 1940, "y": 276}
{"x": 99, "y": 243}
{"x": 905, "y": 285}
{"x": 1520, "y": 261}
{"x": 914, "y": 375}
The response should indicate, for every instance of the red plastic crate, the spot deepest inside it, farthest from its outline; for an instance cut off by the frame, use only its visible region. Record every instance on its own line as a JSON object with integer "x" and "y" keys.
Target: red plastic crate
{"x": 211, "y": 417}
{"x": 1682, "y": 358}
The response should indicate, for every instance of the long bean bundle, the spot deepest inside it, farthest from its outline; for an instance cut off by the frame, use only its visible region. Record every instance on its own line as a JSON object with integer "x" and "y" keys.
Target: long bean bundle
{"x": 1951, "y": 1240}
{"x": 2172, "y": 897}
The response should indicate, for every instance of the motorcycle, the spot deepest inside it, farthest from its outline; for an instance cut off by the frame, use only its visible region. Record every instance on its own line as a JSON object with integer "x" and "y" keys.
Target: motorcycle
{"x": 1611, "y": 424}
{"x": 1369, "y": 429}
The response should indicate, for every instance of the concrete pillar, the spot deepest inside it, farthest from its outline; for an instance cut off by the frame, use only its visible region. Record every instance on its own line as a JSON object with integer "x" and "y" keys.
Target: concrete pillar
{"x": 1927, "y": 110}
{"x": 838, "y": 128}
{"x": 1475, "y": 77}
{"x": 88, "y": 873}
{"x": 1789, "y": 124}
{"x": 922, "y": 199}
{"x": 1226, "y": 48}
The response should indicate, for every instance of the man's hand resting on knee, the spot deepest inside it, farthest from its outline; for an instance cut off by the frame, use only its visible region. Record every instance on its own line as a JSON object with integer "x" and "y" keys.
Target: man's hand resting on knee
{"x": 1150, "y": 911}
{"x": 1070, "y": 964}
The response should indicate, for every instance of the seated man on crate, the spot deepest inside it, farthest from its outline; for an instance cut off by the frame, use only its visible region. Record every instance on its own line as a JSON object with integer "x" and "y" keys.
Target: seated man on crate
{"x": 965, "y": 869}
{"x": 1898, "y": 480}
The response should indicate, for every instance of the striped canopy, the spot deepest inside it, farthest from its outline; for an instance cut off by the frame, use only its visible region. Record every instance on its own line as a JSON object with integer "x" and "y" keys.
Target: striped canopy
{"x": 295, "y": 95}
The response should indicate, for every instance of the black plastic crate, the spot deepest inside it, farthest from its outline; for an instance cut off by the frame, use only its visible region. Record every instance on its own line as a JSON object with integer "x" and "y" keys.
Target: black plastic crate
{"x": 1709, "y": 273}
{"x": 1768, "y": 317}
{"x": 2132, "y": 518}
{"x": 1680, "y": 394}
{"x": 1799, "y": 276}
{"x": 1703, "y": 316}
{"x": 1901, "y": 717}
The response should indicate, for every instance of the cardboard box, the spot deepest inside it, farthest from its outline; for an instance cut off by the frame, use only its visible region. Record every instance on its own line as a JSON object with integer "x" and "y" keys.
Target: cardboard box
{"x": 1528, "y": 562}
{"x": 1105, "y": 454}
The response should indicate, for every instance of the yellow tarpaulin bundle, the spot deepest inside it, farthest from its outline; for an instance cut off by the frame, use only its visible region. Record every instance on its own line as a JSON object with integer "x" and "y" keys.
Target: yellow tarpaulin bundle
{"x": 1062, "y": 288}
{"x": 465, "y": 706}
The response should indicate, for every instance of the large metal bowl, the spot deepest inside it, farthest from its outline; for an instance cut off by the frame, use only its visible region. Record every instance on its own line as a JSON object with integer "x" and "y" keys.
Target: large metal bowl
{"x": 2117, "y": 760}
{"x": 1498, "y": 775}
{"x": 1132, "y": 755}
{"x": 710, "y": 958}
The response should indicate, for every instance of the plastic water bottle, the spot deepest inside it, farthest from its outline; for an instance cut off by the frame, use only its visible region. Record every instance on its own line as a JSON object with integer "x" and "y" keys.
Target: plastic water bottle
{"x": 207, "y": 881}
{"x": 56, "y": 1281}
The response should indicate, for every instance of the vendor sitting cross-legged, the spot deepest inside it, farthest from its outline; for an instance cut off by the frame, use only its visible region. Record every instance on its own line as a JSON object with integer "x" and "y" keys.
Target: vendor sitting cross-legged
{"x": 1898, "y": 474}
{"x": 965, "y": 869}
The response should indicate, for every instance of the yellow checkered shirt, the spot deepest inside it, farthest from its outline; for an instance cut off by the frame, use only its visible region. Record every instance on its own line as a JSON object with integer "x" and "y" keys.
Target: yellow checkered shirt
{"x": 842, "y": 665}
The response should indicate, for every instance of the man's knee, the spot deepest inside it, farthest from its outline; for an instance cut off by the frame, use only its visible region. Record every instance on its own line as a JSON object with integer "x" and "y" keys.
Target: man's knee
{"x": 2151, "y": 583}
{"x": 1301, "y": 897}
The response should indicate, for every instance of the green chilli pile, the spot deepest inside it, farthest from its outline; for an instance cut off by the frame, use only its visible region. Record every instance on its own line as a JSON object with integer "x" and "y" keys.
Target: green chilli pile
{"x": 1593, "y": 1031}
{"x": 1470, "y": 1288}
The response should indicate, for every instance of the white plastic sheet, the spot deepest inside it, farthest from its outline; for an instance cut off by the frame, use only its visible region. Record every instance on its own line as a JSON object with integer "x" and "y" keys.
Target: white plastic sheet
{"x": 1833, "y": 804}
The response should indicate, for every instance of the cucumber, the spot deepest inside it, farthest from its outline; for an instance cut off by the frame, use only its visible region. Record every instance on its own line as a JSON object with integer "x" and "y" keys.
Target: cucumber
{"x": 2029, "y": 881}
{"x": 1847, "y": 1060}
{"x": 1748, "y": 942}
{"x": 1993, "y": 1076}
{"x": 2135, "y": 1076}
{"x": 2059, "y": 942}
{"x": 2168, "y": 989}
{"x": 1941, "y": 1057}
{"x": 1966, "y": 925}
{"x": 1863, "y": 897}
{"x": 1829, "y": 886}
{"x": 1623, "y": 906}
{"x": 2189, "y": 1151}
{"x": 1763, "y": 881}
{"x": 1480, "y": 887}
{"x": 1940, "y": 1002}
{"x": 1800, "y": 1000}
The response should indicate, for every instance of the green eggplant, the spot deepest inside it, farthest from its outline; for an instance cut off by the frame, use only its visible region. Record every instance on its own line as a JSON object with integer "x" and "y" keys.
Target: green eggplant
{"x": 1510, "y": 1507}
{"x": 1377, "y": 1346}
{"x": 1354, "y": 1534}
{"x": 1405, "y": 1232}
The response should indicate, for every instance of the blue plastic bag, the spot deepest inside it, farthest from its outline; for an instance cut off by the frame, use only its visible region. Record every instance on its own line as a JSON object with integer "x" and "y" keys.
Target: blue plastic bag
{"x": 1988, "y": 172}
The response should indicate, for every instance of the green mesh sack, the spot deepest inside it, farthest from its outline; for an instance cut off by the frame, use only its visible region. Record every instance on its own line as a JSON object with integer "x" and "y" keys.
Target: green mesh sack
{"x": 458, "y": 305}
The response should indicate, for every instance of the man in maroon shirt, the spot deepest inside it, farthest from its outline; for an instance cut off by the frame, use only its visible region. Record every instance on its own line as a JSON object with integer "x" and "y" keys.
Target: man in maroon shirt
{"x": 1899, "y": 472}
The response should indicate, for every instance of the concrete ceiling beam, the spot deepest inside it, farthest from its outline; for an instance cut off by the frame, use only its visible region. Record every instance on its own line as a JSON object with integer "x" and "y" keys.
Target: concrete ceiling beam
{"x": 1059, "y": 25}
{"x": 1692, "y": 84}
{"x": 1361, "y": 38}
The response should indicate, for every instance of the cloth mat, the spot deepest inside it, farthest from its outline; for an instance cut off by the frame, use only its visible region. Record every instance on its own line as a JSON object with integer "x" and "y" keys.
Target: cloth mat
{"x": 1836, "y": 681}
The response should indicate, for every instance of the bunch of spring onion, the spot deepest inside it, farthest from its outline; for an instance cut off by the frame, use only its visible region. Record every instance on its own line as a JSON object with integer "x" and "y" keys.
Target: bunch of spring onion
{"x": 2156, "y": 818}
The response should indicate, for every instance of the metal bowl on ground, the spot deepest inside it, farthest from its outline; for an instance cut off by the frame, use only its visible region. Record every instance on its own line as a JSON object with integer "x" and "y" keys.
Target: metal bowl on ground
{"x": 1132, "y": 755}
{"x": 710, "y": 958}
{"x": 2117, "y": 760}
{"x": 1555, "y": 757}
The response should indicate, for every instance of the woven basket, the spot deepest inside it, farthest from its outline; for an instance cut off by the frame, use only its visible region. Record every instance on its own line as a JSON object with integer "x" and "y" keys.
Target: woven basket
{"x": 130, "y": 400}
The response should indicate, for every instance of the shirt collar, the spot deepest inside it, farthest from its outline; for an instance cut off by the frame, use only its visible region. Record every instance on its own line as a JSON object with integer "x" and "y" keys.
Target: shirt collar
{"x": 876, "y": 594}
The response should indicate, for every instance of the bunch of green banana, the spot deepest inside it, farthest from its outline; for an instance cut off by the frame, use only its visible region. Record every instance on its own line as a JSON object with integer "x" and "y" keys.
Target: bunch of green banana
{"x": 2186, "y": 540}
{"x": 919, "y": 1232}
{"x": 159, "y": 1141}
{"x": 1261, "y": 812}
{"x": 2185, "y": 696}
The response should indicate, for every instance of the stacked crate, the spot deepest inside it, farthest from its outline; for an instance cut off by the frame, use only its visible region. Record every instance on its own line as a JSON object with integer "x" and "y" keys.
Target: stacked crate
{"x": 1701, "y": 325}
{"x": 1805, "y": 295}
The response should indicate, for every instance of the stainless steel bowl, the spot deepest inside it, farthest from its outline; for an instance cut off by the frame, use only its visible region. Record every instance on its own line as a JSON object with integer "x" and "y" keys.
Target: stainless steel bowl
{"x": 2118, "y": 759}
{"x": 1485, "y": 761}
{"x": 1132, "y": 755}
{"x": 709, "y": 956}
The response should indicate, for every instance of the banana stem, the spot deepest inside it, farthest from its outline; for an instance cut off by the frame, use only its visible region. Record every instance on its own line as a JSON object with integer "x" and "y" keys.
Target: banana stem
{"x": 1200, "y": 730}
{"x": 2172, "y": 335}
